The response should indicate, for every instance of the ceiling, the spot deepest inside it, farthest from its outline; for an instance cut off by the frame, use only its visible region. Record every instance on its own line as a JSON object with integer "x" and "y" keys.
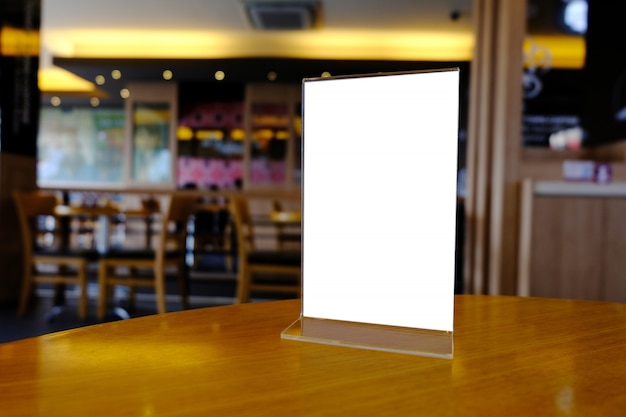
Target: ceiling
{"x": 181, "y": 34}
{"x": 196, "y": 38}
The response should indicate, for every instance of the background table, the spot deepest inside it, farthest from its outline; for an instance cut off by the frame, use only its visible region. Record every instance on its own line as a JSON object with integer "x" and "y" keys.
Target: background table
{"x": 513, "y": 357}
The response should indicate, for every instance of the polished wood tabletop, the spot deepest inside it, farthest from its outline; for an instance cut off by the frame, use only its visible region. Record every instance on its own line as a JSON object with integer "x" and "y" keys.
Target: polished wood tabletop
{"x": 513, "y": 356}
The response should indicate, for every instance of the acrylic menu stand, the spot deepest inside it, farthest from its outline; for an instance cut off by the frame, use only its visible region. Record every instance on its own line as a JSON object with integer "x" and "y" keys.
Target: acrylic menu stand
{"x": 379, "y": 211}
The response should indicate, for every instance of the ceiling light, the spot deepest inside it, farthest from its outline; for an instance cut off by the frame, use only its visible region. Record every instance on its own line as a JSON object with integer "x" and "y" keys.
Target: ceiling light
{"x": 574, "y": 16}
{"x": 55, "y": 101}
{"x": 272, "y": 76}
{"x": 94, "y": 101}
{"x": 100, "y": 80}
{"x": 210, "y": 134}
{"x": 124, "y": 93}
{"x": 167, "y": 75}
{"x": 116, "y": 74}
{"x": 219, "y": 75}
{"x": 184, "y": 133}
{"x": 283, "y": 15}
{"x": 237, "y": 134}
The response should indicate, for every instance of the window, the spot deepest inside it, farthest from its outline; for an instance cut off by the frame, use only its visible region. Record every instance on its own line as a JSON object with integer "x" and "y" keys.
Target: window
{"x": 80, "y": 146}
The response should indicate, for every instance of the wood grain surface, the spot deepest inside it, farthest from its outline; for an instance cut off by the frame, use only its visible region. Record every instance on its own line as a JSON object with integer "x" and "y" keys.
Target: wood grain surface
{"x": 514, "y": 356}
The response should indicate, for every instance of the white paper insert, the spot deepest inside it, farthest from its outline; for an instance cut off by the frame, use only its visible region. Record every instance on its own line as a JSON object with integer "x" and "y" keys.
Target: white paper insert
{"x": 379, "y": 205}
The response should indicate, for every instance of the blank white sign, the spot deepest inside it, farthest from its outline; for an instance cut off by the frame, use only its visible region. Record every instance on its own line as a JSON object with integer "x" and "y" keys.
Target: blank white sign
{"x": 379, "y": 204}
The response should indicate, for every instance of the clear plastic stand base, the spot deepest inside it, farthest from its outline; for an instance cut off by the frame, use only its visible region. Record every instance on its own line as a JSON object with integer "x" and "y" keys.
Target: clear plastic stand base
{"x": 421, "y": 342}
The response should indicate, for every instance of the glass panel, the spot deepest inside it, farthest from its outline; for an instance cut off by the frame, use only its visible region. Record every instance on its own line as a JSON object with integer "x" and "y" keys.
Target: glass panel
{"x": 269, "y": 142}
{"x": 553, "y": 81}
{"x": 82, "y": 145}
{"x": 150, "y": 143}
{"x": 297, "y": 130}
{"x": 210, "y": 145}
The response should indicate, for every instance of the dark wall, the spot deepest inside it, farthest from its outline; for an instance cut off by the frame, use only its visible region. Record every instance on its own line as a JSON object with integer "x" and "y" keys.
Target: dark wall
{"x": 604, "y": 80}
{"x": 19, "y": 91}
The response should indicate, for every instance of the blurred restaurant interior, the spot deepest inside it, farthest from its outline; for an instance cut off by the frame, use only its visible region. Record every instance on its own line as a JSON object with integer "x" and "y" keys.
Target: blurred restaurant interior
{"x": 122, "y": 106}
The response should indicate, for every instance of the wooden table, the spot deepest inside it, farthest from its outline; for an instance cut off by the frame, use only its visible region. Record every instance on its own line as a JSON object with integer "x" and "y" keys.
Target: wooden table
{"x": 513, "y": 357}
{"x": 104, "y": 215}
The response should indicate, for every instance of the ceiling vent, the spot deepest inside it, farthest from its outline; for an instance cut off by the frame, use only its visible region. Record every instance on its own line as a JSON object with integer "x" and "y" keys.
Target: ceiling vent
{"x": 282, "y": 15}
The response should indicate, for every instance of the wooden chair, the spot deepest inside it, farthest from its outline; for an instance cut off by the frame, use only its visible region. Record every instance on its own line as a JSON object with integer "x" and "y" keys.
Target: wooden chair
{"x": 287, "y": 224}
{"x": 210, "y": 240}
{"x": 275, "y": 271}
{"x": 169, "y": 252}
{"x": 52, "y": 260}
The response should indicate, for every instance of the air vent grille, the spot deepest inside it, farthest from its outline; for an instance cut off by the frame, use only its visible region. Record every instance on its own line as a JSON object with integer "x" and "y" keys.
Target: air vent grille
{"x": 282, "y": 15}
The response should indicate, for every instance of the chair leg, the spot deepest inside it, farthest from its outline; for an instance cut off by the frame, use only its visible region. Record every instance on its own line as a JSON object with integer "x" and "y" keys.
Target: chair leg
{"x": 159, "y": 288}
{"x": 132, "y": 295}
{"x": 103, "y": 270}
{"x": 82, "y": 286}
{"x": 183, "y": 284}
{"x": 243, "y": 285}
{"x": 27, "y": 288}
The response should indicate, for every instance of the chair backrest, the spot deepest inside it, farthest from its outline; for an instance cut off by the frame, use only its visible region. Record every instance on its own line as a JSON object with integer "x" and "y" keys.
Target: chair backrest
{"x": 34, "y": 203}
{"x": 288, "y": 228}
{"x": 181, "y": 206}
{"x": 29, "y": 206}
{"x": 178, "y": 212}
{"x": 286, "y": 224}
{"x": 242, "y": 220}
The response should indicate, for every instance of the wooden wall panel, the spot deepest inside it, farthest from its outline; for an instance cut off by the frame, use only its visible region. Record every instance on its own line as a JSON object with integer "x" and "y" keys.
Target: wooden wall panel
{"x": 17, "y": 172}
{"x": 494, "y": 147}
{"x": 573, "y": 247}
{"x": 614, "y": 254}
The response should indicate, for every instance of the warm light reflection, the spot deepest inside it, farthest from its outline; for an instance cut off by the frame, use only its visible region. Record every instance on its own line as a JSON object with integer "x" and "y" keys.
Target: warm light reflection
{"x": 56, "y": 79}
{"x": 262, "y": 135}
{"x": 209, "y": 134}
{"x": 117, "y": 353}
{"x": 184, "y": 133}
{"x": 237, "y": 134}
{"x": 282, "y": 135}
{"x": 149, "y": 116}
{"x": 297, "y": 125}
{"x": 565, "y": 51}
{"x": 19, "y": 42}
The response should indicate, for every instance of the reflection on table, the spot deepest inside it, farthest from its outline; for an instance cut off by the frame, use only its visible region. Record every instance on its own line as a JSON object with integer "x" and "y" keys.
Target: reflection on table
{"x": 513, "y": 357}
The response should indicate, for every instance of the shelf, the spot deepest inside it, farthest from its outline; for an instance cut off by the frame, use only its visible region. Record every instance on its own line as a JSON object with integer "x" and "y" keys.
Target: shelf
{"x": 578, "y": 189}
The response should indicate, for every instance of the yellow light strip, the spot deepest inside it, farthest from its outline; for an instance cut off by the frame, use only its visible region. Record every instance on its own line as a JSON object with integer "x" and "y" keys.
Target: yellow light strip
{"x": 18, "y": 42}
{"x": 59, "y": 80}
{"x": 566, "y": 52}
{"x": 325, "y": 44}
